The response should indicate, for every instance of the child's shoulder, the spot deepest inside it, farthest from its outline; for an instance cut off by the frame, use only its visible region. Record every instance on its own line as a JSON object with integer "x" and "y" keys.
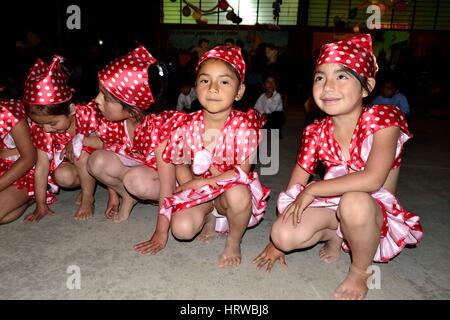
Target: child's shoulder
{"x": 12, "y": 110}
{"x": 383, "y": 116}
{"x": 385, "y": 112}
{"x": 248, "y": 119}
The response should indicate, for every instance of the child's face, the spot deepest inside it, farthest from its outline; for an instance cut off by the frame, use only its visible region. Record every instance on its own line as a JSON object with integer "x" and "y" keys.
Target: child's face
{"x": 388, "y": 90}
{"x": 111, "y": 109}
{"x": 51, "y": 123}
{"x": 270, "y": 85}
{"x": 217, "y": 86}
{"x": 335, "y": 91}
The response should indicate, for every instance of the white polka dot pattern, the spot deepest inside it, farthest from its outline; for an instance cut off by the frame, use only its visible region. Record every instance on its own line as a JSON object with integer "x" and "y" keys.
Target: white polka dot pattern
{"x": 46, "y": 85}
{"x": 354, "y": 52}
{"x": 11, "y": 113}
{"x": 126, "y": 78}
{"x": 318, "y": 143}
{"x": 231, "y": 55}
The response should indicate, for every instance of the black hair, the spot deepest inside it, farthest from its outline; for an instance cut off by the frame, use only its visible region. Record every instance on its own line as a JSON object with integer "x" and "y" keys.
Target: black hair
{"x": 158, "y": 82}
{"x": 229, "y": 66}
{"x": 362, "y": 80}
{"x": 48, "y": 109}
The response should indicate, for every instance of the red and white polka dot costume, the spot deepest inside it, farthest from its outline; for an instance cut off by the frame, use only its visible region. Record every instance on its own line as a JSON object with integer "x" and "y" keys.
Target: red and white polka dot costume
{"x": 11, "y": 114}
{"x": 47, "y": 84}
{"x": 126, "y": 78}
{"x": 149, "y": 133}
{"x": 400, "y": 227}
{"x": 87, "y": 119}
{"x": 237, "y": 141}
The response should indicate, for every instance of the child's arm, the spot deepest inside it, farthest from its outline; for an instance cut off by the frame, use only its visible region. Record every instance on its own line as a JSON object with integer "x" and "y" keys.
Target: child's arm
{"x": 93, "y": 142}
{"x": 371, "y": 179}
{"x": 166, "y": 173}
{"x": 21, "y": 135}
{"x": 40, "y": 187}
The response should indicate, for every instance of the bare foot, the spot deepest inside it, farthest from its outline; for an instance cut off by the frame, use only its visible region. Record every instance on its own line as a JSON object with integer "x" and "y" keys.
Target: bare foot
{"x": 125, "y": 209}
{"x": 231, "y": 256}
{"x": 86, "y": 210}
{"x": 208, "y": 232}
{"x": 79, "y": 198}
{"x": 112, "y": 207}
{"x": 331, "y": 250}
{"x": 156, "y": 243}
{"x": 354, "y": 287}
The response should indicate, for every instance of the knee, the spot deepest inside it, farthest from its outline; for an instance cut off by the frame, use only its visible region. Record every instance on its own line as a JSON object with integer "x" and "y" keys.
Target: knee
{"x": 285, "y": 238}
{"x": 135, "y": 185}
{"x": 355, "y": 208}
{"x": 238, "y": 199}
{"x": 65, "y": 177}
{"x": 183, "y": 229}
{"x": 97, "y": 162}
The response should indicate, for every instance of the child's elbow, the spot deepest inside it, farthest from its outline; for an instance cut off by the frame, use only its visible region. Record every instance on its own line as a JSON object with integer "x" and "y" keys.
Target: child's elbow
{"x": 31, "y": 158}
{"x": 374, "y": 183}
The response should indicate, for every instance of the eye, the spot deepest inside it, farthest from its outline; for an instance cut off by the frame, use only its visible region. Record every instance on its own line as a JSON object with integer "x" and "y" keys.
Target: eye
{"x": 318, "y": 78}
{"x": 342, "y": 77}
{"x": 203, "y": 81}
{"x": 225, "y": 82}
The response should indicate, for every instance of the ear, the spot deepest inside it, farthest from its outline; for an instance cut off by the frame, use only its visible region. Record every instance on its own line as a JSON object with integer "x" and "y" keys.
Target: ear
{"x": 371, "y": 84}
{"x": 72, "y": 109}
{"x": 240, "y": 92}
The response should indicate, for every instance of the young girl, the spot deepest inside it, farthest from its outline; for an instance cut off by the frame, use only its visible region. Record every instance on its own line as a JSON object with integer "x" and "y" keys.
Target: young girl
{"x": 219, "y": 143}
{"x": 64, "y": 136}
{"x": 361, "y": 148}
{"x": 17, "y": 157}
{"x": 130, "y": 165}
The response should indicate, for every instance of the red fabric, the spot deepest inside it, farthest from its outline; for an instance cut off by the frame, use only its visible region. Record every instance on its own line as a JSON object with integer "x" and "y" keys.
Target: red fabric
{"x": 126, "y": 78}
{"x": 46, "y": 84}
{"x": 231, "y": 55}
{"x": 11, "y": 113}
{"x": 238, "y": 140}
{"x": 354, "y": 52}
{"x": 318, "y": 143}
{"x": 149, "y": 133}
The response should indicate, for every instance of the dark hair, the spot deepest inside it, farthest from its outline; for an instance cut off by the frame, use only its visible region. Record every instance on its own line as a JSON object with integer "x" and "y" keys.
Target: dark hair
{"x": 362, "y": 80}
{"x": 230, "y": 40}
{"x": 158, "y": 82}
{"x": 48, "y": 109}
{"x": 229, "y": 66}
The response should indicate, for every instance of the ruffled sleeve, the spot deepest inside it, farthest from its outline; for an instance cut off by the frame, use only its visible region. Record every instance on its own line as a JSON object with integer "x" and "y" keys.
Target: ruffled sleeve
{"x": 248, "y": 134}
{"x": 88, "y": 118}
{"x": 11, "y": 113}
{"x": 381, "y": 117}
{"x": 41, "y": 140}
{"x": 177, "y": 134}
{"x": 308, "y": 156}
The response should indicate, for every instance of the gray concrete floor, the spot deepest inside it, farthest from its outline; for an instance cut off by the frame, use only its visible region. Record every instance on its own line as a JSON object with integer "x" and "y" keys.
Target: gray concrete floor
{"x": 34, "y": 259}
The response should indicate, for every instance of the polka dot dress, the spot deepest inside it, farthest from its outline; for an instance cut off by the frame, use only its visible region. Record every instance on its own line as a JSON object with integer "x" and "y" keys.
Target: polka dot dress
{"x": 149, "y": 133}
{"x": 237, "y": 141}
{"x": 11, "y": 114}
{"x": 87, "y": 119}
{"x": 400, "y": 227}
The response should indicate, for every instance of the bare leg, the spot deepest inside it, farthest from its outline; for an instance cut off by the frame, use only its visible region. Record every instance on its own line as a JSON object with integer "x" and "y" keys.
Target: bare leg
{"x": 106, "y": 167}
{"x": 13, "y": 203}
{"x": 113, "y": 203}
{"x": 331, "y": 250}
{"x": 208, "y": 232}
{"x": 187, "y": 223}
{"x": 314, "y": 227}
{"x": 361, "y": 221}
{"x": 235, "y": 204}
{"x": 87, "y": 182}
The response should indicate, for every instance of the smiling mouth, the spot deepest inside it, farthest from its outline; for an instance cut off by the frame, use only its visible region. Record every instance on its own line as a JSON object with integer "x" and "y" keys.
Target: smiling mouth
{"x": 330, "y": 100}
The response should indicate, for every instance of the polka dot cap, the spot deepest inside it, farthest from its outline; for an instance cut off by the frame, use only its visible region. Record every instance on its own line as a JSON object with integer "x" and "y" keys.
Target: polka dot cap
{"x": 232, "y": 55}
{"x": 126, "y": 78}
{"x": 354, "y": 53}
{"x": 46, "y": 85}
